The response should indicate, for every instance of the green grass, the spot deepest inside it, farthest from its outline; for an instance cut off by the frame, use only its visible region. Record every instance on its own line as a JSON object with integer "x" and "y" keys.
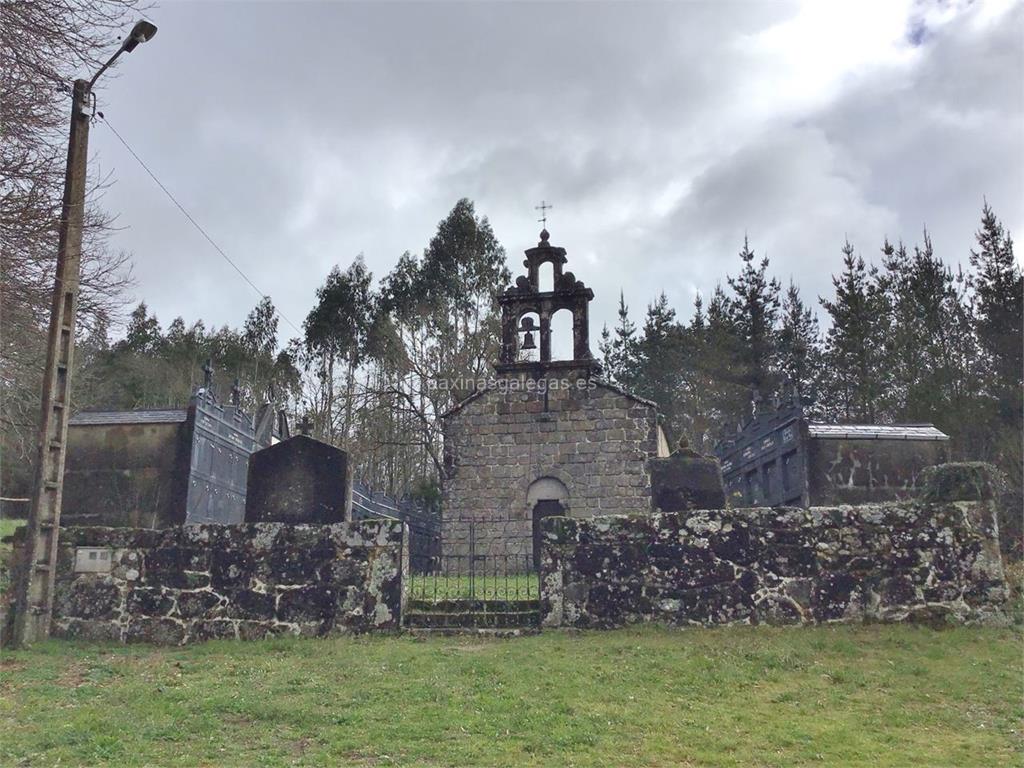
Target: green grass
{"x": 1015, "y": 580}
{"x": 7, "y": 526}
{"x": 874, "y": 696}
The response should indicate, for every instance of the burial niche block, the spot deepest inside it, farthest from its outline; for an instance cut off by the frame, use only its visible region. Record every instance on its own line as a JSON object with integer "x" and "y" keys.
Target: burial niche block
{"x": 686, "y": 480}
{"x": 299, "y": 480}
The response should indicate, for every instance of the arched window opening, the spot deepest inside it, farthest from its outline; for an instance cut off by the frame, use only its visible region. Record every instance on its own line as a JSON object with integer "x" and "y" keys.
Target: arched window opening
{"x": 546, "y": 277}
{"x": 561, "y": 335}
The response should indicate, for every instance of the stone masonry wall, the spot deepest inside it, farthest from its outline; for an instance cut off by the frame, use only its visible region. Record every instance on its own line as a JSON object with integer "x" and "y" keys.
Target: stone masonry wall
{"x": 935, "y": 563}
{"x": 591, "y": 437}
{"x": 192, "y": 583}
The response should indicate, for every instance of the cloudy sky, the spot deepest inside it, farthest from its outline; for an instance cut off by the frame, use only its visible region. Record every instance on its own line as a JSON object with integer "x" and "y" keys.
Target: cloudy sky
{"x": 303, "y": 134}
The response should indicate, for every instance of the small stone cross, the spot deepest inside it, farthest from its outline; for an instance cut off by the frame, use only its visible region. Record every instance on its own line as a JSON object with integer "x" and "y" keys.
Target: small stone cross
{"x": 544, "y": 207}
{"x": 306, "y": 426}
{"x": 208, "y": 373}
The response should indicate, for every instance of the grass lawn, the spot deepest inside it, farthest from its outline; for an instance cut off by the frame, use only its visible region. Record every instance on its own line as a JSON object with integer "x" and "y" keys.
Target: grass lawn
{"x": 7, "y": 528}
{"x": 875, "y": 695}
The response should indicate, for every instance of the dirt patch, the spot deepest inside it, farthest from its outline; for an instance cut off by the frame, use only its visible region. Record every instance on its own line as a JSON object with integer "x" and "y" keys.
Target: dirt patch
{"x": 360, "y": 758}
{"x": 74, "y": 676}
{"x": 470, "y": 647}
{"x": 11, "y": 665}
{"x": 238, "y": 720}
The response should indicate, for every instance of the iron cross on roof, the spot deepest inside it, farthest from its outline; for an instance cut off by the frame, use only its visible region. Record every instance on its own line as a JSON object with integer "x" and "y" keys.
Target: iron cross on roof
{"x": 544, "y": 207}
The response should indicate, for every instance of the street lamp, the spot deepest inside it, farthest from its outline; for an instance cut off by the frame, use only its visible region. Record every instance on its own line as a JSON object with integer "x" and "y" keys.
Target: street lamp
{"x": 34, "y": 597}
{"x": 141, "y": 33}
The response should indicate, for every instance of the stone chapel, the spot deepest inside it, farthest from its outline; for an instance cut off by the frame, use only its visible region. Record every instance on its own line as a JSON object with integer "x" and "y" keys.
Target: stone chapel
{"x": 545, "y": 436}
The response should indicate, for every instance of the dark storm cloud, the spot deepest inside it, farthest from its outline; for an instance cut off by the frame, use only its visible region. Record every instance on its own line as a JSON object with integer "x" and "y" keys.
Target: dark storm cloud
{"x": 304, "y": 134}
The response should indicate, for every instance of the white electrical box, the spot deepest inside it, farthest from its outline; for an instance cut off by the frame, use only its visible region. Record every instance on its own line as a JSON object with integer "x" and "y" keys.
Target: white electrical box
{"x": 94, "y": 559}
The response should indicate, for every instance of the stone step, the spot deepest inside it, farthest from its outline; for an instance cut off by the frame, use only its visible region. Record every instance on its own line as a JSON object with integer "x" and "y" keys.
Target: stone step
{"x": 472, "y": 631}
{"x": 471, "y": 606}
{"x": 494, "y": 620}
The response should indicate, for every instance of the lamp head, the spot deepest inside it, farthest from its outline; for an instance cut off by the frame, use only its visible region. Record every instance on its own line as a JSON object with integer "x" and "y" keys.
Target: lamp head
{"x": 141, "y": 33}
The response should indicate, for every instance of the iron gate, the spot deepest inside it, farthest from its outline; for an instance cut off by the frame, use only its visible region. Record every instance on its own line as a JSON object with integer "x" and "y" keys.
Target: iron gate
{"x": 484, "y": 575}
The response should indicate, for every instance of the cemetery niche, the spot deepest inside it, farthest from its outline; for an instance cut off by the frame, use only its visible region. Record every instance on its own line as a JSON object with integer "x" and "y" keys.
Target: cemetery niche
{"x": 780, "y": 457}
{"x": 299, "y": 480}
{"x": 686, "y": 480}
{"x": 157, "y": 468}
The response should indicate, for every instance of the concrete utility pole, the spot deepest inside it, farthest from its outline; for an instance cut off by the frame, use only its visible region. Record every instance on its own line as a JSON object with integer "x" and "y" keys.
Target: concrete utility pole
{"x": 34, "y": 597}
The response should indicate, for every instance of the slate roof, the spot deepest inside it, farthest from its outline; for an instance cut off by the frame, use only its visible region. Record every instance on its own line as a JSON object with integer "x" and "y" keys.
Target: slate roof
{"x": 875, "y": 431}
{"x": 141, "y": 416}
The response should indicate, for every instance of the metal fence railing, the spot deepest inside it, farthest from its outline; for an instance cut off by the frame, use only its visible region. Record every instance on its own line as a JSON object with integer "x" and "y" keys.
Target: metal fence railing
{"x": 424, "y": 522}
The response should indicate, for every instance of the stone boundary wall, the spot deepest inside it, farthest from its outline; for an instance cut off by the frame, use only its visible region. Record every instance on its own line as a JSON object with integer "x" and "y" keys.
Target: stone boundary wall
{"x": 191, "y": 583}
{"x": 936, "y": 563}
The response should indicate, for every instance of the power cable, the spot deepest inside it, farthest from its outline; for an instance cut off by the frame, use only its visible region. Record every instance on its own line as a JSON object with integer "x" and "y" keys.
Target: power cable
{"x": 192, "y": 220}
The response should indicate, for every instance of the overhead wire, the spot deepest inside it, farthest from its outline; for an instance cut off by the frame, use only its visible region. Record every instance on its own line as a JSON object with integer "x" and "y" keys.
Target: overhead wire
{"x": 192, "y": 219}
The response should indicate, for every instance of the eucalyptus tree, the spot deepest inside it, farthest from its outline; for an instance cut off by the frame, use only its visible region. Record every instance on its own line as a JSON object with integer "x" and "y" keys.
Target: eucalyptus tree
{"x": 336, "y": 332}
{"x": 443, "y": 323}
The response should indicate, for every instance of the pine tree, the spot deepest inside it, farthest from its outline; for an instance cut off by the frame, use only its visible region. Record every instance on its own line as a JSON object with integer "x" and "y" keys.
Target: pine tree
{"x": 929, "y": 345}
{"x": 697, "y": 322}
{"x": 604, "y": 346}
{"x": 999, "y": 291}
{"x": 695, "y": 417}
{"x": 942, "y": 380}
{"x": 999, "y": 288}
{"x": 800, "y": 344}
{"x": 620, "y": 351}
{"x": 854, "y": 362}
{"x": 900, "y": 337}
{"x": 723, "y": 387}
{"x": 661, "y": 353}
{"x": 754, "y": 311}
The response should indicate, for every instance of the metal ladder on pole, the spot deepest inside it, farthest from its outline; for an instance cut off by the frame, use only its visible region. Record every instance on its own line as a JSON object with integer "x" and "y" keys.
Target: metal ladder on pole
{"x": 34, "y": 596}
{"x": 32, "y": 620}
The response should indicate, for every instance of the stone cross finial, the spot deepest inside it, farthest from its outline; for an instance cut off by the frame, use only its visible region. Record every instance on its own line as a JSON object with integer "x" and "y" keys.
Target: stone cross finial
{"x": 306, "y": 426}
{"x": 236, "y": 392}
{"x": 544, "y": 207}
{"x": 208, "y": 373}
{"x": 755, "y": 403}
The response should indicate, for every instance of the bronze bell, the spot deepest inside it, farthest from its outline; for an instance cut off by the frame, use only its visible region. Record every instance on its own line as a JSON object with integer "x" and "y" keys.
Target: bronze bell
{"x": 526, "y": 326}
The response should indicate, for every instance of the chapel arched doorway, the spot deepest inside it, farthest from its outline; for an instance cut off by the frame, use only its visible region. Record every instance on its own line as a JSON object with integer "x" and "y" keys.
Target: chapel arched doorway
{"x": 546, "y": 497}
